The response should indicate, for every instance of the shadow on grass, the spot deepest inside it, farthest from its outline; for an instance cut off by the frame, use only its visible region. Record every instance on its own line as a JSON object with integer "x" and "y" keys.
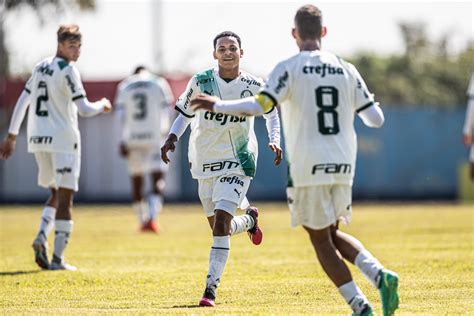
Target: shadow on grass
{"x": 19, "y": 272}
{"x": 184, "y": 306}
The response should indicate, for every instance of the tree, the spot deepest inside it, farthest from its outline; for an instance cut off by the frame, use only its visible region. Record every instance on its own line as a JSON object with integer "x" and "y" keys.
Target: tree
{"x": 41, "y": 8}
{"x": 426, "y": 74}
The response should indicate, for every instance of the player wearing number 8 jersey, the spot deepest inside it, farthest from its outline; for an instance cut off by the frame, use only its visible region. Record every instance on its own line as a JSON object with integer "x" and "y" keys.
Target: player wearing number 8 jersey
{"x": 55, "y": 95}
{"x": 320, "y": 93}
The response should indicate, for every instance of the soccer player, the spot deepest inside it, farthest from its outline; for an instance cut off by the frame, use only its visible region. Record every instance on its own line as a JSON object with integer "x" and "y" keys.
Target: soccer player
{"x": 469, "y": 125}
{"x": 320, "y": 93}
{"x": 223, "y": 152}
{"x": 56, "y": 95}
{"x": 143, "y": 103}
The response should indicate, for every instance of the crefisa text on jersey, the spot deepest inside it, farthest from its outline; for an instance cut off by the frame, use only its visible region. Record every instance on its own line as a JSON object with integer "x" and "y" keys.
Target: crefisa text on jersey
{"x": 223, "y": 118}
{"x": 323, "y": 70}
{"x": 332, "y": 168}
{"x": 250, "y": 81}
{"x": 188, "y": 98}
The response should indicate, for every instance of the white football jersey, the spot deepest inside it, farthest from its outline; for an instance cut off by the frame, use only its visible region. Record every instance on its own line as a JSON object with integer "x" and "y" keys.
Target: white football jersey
{"x": 470, "y": 89}
{"x": 52, "y": 115}
{"x": 145, "y": 100}
{"x": 468, "y": 128}
{"x": 319, "y": 93}
{"x": 220, "y": 143}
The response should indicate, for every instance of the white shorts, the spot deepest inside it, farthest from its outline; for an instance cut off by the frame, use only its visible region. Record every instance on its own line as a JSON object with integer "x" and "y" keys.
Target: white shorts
{"x": 227, "y": 192}
{"x": 142, "y": 160}
{"x": 471, "y": 154}
{"x": 320, "y": 206}
{"x": 58, "y": 170}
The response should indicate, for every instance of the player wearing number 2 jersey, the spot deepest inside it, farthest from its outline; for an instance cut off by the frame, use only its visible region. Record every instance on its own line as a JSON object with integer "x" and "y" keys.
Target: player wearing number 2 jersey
{"x": 319, "y": 95}
{"x": 55, "y": 96}
{"x": 143, "y": 105}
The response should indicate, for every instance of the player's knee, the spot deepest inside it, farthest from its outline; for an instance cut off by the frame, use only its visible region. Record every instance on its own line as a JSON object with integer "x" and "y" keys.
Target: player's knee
{"x": 319, "y": 236}
{"x": 222, "y": 222}
{"x": 159, "y": 185}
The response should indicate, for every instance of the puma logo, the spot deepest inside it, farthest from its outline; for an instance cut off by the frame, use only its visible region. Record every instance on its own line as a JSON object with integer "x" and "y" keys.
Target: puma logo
{"x": 238, "y": 193}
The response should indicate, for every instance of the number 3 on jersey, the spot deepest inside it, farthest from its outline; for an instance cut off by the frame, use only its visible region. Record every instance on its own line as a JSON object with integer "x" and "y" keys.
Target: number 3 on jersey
{"x": 327, "y": 100}
{"x": 42, "y": 97}
{"x": 140, "y": 102}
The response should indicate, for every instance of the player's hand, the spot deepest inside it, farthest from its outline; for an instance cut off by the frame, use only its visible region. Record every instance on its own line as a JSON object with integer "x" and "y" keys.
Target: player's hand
{"x": 123, "y": 150}
{"x": 107, "y": 106}
{"x": 7, "y": 147}
{"x": 278, "y": 153}
{"x": 467, "y": 139}
{"x": 168, "y": 146}
{"x": 203, "y": 102}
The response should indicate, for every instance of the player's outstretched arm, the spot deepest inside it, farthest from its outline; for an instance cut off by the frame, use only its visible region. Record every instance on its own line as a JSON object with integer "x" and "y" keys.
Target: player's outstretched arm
{"x": 247, "y": 106}
{"x": 87, "y": 109}
{"x": 372, "y": 116}
{"x": 203, "y": 102}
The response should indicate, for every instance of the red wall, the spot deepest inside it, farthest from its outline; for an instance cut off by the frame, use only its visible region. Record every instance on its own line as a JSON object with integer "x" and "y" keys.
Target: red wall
{"x": 95, "y": 90}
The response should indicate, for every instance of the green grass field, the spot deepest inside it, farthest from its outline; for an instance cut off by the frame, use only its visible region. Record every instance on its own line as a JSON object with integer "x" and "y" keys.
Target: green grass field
{"x": 122, "y": 271}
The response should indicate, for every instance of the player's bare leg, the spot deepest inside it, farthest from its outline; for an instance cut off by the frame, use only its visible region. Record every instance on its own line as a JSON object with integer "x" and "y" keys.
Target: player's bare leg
{"x": 247, "y": 222}
{"x": 155, "y": 199}
{"x": 40, "y": 244}
{"x": 63, "y": 226}
{"x": 384, "y": 280}
{"x": 337, "y": 270}
{"x": 139, "y": 205}
{"x": 347, "y": 245}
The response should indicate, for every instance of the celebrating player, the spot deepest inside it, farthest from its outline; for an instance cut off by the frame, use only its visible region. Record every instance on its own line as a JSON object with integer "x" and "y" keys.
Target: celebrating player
{"x": 143, "y": 104}
{"x": 320, "y": 93}
{"x": 56, "y": 95}
{"x": 223, "y": 152}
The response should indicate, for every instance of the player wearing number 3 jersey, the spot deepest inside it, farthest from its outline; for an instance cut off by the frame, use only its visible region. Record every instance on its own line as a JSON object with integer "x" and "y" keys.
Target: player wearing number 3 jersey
{"x": 319, "y": 95}
{"x": 142, "y": 104}
{"x": 55, "y": 95}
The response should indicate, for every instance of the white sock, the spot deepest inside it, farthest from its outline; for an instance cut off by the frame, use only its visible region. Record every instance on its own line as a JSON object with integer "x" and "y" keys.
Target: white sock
{"x": 63, "y": 231}
{"x": 47, "y": 223}
{"x": 353, "y": 296}
{"x": 155, "y": 202}
{"x": 217, "y": 260}
{"x": 240, "y": 224}
{"x": 369, "y": 266}
{"x": 141, "y": 209}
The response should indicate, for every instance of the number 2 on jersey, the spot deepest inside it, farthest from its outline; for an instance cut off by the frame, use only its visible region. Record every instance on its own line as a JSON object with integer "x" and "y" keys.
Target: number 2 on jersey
{"x": 327, "y": 100}
{"x": 140, "y": 102}
{"x": 42, "y": 97}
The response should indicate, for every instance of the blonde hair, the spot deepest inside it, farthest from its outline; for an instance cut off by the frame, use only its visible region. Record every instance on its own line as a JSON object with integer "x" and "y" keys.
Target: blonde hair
{"x": 69, "y": 32}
